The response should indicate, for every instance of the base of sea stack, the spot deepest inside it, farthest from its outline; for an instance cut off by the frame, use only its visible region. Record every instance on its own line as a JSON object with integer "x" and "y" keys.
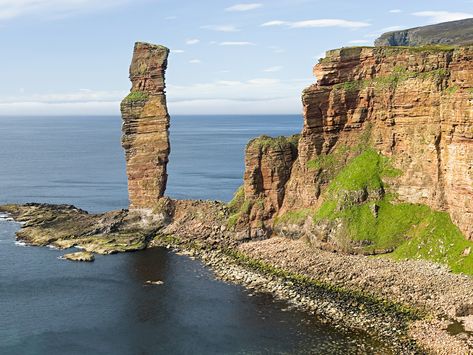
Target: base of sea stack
{"x": 414, "y": 306}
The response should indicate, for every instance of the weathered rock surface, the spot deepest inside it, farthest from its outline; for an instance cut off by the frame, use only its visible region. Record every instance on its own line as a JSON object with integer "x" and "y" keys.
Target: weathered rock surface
{"x": 412, "y": 105}
{"x": 79, "y": 256}
{"x": 268, "y": 165}
{"x": 65, "y": 226}
{"x": 450, "y": 33}
{"x": 145, "y": 126}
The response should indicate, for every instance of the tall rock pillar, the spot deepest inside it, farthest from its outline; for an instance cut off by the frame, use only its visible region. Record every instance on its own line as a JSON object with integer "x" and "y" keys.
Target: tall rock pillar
{"x": 146, "y": 126}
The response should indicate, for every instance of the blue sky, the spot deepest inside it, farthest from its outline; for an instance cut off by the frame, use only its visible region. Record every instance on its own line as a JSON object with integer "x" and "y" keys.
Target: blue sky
{"x": 64, "y": 57}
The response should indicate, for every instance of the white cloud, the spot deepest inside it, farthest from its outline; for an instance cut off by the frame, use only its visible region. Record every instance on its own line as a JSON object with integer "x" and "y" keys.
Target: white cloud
{"x": 275, "y": 23}
{"x": 62, "y": 109}
{"x": 195, "y": 61}
{"x": 273, "y": 69}
{"x": 442, "y": 16}
{"x": 83, "y": 101}
{"x": 258, "y": 95}
{"x": 192, "y": 41}
{"x": 359, "y": 41}
{"x": 318, "y": 23}
{"x": 244, "y": 7}
{"x": 395, "y": 11}
{"x": 236, "y": 43}
{"x": 266, "y": 106}
{"x": 10, "y": 9}
{"x": 221, "y": 28}
{"x": 79, "y": 96}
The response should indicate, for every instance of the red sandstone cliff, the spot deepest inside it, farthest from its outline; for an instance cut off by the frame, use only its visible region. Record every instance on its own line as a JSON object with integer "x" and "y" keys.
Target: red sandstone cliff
{"x": 145, "y": 126}
{"x": 413, "y": 105}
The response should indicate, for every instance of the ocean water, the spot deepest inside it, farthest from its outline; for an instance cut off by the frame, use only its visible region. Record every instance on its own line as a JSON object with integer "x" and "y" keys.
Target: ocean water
{"x": 50, "y": 306}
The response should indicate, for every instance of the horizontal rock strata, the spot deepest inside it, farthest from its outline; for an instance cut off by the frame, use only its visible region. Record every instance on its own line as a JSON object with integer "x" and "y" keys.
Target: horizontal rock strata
{"x": 413, "y": 106}
{"x": 146, "y": 126}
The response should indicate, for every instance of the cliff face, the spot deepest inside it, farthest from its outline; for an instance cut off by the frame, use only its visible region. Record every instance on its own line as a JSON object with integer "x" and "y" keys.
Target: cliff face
{"x": 409, "y": 109}
{"x": 145, "y": 126}
{"x": 449, "y": 33}
{"x": 268, "y": 164}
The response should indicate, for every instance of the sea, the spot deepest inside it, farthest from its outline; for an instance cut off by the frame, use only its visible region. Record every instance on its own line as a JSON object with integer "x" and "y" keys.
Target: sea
{"x": 51, "y": 306}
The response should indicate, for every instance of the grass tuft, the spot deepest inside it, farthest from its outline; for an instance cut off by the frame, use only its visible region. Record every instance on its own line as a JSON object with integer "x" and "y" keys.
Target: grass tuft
{"x": 136, "y": 96}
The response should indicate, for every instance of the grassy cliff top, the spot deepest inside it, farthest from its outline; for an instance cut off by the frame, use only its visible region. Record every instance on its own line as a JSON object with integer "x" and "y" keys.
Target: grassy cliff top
{"x": 446, "y": 33}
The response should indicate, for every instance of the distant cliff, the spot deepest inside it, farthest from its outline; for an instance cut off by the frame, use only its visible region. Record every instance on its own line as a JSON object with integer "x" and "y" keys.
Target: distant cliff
{"x": 447, "y": 33}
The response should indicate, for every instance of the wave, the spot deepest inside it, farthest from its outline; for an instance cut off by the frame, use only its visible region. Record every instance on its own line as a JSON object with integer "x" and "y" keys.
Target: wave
{"x": 5, "y": 217}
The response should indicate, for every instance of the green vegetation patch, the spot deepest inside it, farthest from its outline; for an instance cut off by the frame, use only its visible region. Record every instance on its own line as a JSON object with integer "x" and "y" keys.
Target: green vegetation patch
{"x": 452, "y": 90}
{"x": 239, "y": 207}
{"x": 411, "y": 231}
{"x": 264, "y": 142}
{"x": 363, "y": 172}
{"x": 137, "y": 96}
{"x": 436, "y": 238}
{"x": 390, "y": 82}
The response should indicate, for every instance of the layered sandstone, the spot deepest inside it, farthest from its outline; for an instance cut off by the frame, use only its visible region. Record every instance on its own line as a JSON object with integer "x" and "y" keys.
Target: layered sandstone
{"x": 413, "y": 106}
{"x": 268, "y": 164}
{"x": 146, "y": 126}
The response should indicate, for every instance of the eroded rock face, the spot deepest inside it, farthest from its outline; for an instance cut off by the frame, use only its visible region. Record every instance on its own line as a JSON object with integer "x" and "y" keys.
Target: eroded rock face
{"x": 268, "y": 164}
{"x": 146, "y": 126}
{"x": 414, "y": 105}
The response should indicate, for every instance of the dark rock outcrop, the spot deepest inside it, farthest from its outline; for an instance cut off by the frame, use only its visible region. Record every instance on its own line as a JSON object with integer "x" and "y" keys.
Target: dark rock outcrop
{"x": 145, "y": 126}
{"x": 446, "y": 33}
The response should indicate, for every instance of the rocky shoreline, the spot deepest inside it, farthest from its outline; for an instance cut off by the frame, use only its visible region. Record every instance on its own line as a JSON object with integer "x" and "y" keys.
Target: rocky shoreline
{"x": 387, "y": 328}
{"x": 402, "y": 304}
{"x": 405, "y": 329}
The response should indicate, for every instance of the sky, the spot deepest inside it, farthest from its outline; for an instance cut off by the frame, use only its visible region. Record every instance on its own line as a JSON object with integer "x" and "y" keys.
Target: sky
{"x": 71, "y": 57}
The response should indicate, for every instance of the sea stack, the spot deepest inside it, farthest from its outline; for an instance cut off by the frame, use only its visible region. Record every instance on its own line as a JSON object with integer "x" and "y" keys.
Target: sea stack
{"x": 146, "y": 126}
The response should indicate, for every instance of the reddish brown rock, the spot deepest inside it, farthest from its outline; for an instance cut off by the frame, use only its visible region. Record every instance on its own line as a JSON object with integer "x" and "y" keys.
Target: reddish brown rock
{"x": 268, "y": 164}
{"x": 145, "y": 126}
{"x": 416, "y": 104}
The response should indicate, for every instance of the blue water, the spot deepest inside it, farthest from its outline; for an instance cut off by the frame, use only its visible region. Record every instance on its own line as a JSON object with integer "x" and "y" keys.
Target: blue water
{"x": 79, "y": 160}
{"x": 50, "y": 306}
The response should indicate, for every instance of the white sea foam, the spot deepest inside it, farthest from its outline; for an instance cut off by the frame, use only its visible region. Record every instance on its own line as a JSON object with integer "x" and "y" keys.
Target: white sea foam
{"x": 6, "y": 217}
{"x": 20, "y": 243}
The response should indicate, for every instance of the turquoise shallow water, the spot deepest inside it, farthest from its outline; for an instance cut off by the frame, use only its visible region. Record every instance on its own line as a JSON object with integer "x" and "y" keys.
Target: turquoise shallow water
{"x": 49, "y": 306}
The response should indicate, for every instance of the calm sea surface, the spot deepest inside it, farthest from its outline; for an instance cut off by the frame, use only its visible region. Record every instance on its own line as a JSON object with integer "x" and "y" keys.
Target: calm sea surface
{"x": 50, "y": 306}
